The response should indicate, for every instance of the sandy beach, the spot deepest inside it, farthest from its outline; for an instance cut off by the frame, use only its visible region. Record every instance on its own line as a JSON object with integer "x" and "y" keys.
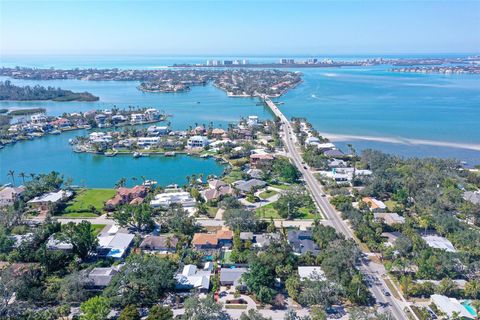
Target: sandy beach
{"x": 408, "y": 141}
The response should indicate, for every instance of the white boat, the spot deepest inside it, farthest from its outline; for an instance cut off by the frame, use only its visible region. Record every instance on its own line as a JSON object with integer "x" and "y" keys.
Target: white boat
{"x": 169, "y": 154}
{"x": 55, "y": 132}
{"x": 137, "y": 154}
{"x": 111, "y": 153}
{"x": 149, "y": 183}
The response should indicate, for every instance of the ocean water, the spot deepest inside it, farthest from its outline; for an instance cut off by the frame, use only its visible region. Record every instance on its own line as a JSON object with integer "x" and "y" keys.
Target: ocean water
{"x": 408, "y": 114}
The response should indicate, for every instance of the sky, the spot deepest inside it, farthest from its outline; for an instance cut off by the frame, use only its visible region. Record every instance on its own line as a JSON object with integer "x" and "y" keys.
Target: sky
{"x": 234, "y": 27}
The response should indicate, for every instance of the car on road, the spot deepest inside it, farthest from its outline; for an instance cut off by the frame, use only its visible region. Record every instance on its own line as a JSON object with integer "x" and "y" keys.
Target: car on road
{"x": 386, "y": 293}
{"x": 304, "y": 167}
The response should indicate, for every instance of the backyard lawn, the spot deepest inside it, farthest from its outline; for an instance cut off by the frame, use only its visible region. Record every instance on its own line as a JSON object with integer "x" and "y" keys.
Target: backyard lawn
{"x": 87, "y": 199}
{"x": 233, "y": 176}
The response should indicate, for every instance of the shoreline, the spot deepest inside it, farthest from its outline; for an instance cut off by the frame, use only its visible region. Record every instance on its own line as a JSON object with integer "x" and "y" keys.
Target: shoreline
{"x": 334, "y": 137}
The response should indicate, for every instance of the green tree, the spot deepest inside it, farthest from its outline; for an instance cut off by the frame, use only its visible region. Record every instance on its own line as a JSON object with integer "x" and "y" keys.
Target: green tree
{"x": 203, "y": 309}
{"x": 137, "y": 217}
{"x": 253, "y": 314}
{"x": 96, "y": 308}
{"x": 130, "y": 312}
{"x": 142, "y": 281}
{"x": 160, "y": 313}
{"x": 81, "y": 236}
{"x": 239, "y": 219}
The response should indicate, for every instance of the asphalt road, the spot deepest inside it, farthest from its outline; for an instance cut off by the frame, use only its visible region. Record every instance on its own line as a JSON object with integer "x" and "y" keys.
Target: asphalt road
{"x": 386, "y": 303}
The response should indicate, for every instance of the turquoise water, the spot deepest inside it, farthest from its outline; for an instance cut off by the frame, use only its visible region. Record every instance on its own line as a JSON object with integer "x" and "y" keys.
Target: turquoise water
{"x": 469, "y": 307}
{"x": 54, "y": 153}
{"x": 392, "y": 108}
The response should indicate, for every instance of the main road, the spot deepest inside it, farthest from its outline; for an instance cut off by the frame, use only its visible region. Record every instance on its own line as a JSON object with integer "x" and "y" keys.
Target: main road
{"x": 378, "y": 287}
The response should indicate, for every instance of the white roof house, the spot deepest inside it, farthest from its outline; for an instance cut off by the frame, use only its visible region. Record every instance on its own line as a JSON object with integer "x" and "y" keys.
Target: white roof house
{"x": 310, "y": 272}
{"x": 52, "y": 197}
{"x": 439, "y": 243}
{"x": 191, "y": 278}
{"x": 197, "y": 142}
{"x": 164, "y": 200}
{"x": 114, "y": 246}
{"x": 451, "y": 306}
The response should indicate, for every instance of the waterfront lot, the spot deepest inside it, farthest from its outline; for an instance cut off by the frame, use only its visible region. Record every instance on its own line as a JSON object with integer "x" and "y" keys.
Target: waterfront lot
{"x": 88, "y": 202}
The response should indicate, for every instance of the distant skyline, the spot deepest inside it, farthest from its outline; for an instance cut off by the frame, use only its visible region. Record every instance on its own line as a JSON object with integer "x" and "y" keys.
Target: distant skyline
{"x": 239, "y": 27}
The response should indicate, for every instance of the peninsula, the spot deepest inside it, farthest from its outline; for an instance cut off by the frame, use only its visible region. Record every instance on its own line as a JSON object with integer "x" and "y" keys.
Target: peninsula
{"x": 9, "y": 91}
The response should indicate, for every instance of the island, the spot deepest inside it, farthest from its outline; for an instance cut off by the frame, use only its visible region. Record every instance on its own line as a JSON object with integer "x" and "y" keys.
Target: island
{"x": 454, "y": 69}
{"x": 235, "y": 82}
{"x": 9, "y": 91}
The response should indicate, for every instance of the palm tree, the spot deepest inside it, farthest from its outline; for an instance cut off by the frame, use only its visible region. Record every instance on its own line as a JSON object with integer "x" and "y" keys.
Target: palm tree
{"x": 354, "y": 158}
{"x": 121, "y": 182}
{"x": 143, "y": 179}
{"x": 11, "y": 173}
{"x": 134, "y": 179}
{"x": 22, "y": 175}
{"x": 32, "y": 175}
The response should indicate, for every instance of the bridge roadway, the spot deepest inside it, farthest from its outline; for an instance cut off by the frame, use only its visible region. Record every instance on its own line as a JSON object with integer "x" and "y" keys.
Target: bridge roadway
{"x": 367, "y": 267}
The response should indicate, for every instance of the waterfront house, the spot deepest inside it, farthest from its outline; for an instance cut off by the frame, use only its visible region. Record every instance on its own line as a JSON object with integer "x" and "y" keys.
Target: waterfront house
{"x": 8, "y": 195}
{"x": 249, "y": 186}
{"x": 166, "y": 199}
{"x": 148, "y": 141}
{"x": 218, "y": 133}
{"x": 252, "y": 121}
{"x": 197, "y": 142}
{"x": 152, "y": 114}
{"x": 158, "y": 130}
{"x": 137, "y": 118}
{"x": 45, "y": 201}
{"x": 231, "y": 276}
{"x": 126, "y": 195}
{"x": 192, "y": 278}
{"x": 217, "y": 193}
{"x": 61, "y": 123}
{"x": 333, "y": 153}
{"x": 159, "y": 244}
{"x": 258, "y": 161}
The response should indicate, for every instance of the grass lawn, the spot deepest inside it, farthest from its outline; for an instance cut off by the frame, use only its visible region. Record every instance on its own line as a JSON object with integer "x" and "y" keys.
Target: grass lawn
{"x": 267, "y": 194}
{"x": 267, "y": 212}
{"x": 212, "y": 211}
{"x": 79, "y": 215}
{"x": 97, "y": 228}
{"x": 391, "y": 205}
{"x": 307, "y": 213}
{"x": 281, "y": 186}
{"x": 226, "y": 257}
{"x": 86, "y": 198}
{"x": 233, "y": 176}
